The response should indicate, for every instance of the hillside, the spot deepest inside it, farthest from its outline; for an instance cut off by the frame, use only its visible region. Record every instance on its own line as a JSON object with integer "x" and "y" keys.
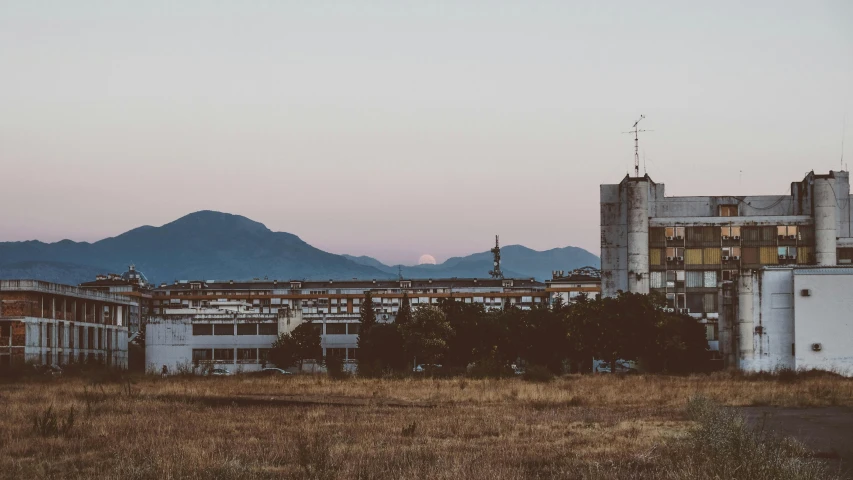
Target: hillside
{"x": 202, "y": 245}
{"x": 516, "y": 261}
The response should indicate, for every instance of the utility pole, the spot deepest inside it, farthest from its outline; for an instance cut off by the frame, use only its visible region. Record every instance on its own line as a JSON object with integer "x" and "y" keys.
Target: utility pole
{"x": 636, "y": 131}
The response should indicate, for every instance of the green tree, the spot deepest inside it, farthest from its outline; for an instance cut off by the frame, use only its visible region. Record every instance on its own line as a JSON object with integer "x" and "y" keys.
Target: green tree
{"x": 404, "y": 315}
{"x": 426, "y": 336}
{"x": 367, "y": 313}
{"x": 292, "y": 348}
{"x": 366, "y": 349}
{"x": 386, "y": 346}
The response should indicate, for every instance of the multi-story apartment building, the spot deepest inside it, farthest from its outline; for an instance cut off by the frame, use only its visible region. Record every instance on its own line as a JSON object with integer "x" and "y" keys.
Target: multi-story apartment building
{"x": 131, "y": 283}
{"x": 233, "y": 323}
{"x": 53, "y": 324}
{"x": 686, "y": 247}
{"x": 569, "y": 286}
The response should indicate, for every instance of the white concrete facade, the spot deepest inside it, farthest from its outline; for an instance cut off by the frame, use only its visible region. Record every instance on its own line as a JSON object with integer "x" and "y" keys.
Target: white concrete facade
{"x": 795, "y": 318}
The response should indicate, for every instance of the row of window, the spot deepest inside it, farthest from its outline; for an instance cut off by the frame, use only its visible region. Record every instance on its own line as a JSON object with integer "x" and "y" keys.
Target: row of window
{"x": 716, "y": 256}
{"x": 243, "y": 355}
{"x": 227, "y": 329}
{"x": 711, "y": 234}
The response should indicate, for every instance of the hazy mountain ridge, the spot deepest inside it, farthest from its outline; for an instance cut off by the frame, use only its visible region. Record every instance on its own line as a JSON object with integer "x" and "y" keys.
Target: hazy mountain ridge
{"x": 517, "y": 261}
{"x": 214, "y": 245}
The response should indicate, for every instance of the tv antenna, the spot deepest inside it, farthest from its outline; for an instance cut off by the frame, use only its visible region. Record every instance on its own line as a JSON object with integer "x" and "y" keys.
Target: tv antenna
{"x": 636, "y": 131}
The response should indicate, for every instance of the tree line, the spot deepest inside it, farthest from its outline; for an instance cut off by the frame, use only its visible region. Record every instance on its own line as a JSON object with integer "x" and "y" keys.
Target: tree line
{"x": 465, "y": 338}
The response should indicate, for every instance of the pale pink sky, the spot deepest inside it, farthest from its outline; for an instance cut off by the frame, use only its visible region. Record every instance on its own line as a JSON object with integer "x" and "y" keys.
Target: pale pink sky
{"x": 404, "y": 128}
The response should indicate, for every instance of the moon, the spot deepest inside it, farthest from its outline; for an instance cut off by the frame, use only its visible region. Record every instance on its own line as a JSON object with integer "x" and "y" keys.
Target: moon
{"x": 426, "y": 259}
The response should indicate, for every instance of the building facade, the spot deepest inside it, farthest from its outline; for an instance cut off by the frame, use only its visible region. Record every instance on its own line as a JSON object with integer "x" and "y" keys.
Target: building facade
{"x": 198, "y": 323}
{"x": 567, "y": 287}
{"x": 795, "y": 318}
{"x": 53, "y": 324}
{"x": 132, "y": 284}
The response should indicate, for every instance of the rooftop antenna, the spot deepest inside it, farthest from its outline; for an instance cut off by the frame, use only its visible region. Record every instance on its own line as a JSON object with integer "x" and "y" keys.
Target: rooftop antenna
{"x": 636, "y": 131}
{"x": 843, "y": 134}
{"x": 400, "y": 272}
{"x": 496, "y": 253}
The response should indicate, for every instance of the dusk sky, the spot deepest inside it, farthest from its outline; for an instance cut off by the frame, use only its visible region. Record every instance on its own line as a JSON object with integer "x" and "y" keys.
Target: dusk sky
{"x": 396, "y": 129}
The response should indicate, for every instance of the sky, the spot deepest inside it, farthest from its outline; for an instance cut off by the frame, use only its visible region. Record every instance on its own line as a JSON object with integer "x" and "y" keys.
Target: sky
{"x": 396, "y": 129}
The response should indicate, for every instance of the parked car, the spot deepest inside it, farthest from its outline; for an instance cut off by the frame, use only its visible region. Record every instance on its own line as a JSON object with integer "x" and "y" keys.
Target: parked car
{"x": 50, "y": 370}
{"x": 621, "y": 367}
{"x": 426, "y": 368}
{"x": 270, "y": 372}
{"x": 219, "y": 372}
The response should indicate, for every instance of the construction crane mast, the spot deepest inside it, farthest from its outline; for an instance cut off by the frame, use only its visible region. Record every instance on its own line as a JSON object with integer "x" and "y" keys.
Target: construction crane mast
{"x": 636, "y": 131}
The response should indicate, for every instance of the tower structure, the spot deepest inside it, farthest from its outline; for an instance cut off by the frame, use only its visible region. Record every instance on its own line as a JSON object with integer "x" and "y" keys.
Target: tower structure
{"x": 496, "y": 253}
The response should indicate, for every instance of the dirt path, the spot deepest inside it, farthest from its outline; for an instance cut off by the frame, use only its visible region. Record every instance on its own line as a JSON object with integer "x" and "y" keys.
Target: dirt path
{"x": 828, "y": 431}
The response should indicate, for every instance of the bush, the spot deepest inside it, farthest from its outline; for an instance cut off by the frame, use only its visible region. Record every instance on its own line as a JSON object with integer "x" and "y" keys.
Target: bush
{"x": 49, "y": 424}
{"x": 537, "y": 373}
{"x": 335, "y": 368}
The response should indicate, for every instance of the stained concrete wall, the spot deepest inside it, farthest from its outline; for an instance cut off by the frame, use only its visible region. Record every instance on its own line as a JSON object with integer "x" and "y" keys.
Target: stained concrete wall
{"x": 614, "y": 241}
{"x": 824, "y": 317}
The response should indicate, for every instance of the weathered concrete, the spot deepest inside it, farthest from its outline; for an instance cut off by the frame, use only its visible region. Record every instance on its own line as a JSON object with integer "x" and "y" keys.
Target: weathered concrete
{"x": 637, "y": 191}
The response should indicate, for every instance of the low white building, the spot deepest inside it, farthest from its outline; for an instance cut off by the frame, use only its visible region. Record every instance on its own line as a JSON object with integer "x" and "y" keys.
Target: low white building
{"x": 797, "y": 318}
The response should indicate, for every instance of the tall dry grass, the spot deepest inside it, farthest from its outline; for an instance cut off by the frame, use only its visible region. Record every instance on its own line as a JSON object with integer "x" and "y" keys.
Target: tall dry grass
{"x": 593, "y": 427}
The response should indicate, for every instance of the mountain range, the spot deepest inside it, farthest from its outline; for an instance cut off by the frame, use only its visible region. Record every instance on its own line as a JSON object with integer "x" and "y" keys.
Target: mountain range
{"x": 215, "y": 245}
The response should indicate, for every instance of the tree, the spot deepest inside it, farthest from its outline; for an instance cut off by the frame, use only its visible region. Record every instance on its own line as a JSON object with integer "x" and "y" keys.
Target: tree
{"x": 404, "y": 315}
{"x": 289, "y": 349}
{"x": 366, "y": 349}
{"x": 426, "y": 336}
{"x": 385, "y": 344}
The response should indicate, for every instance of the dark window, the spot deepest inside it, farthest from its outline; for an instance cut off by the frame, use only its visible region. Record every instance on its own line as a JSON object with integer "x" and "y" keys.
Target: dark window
{"x": 247, "y": 329}
{"x": 202, "y": 354}
{"x": 318, "y": 327}
{"x": 336, "y": 352}
{"x": 247, "y": 355}
{"x": 353, "y": 328}
{"x": 223, "y": 329}
{"x": 353, "y": 353}
{"x": 223, "y": 354}
{"x": 263, "y": 354}
{"x": 268, "y": 329}
{"x": 202, "y": 329}
{"x": 336, "y": 329}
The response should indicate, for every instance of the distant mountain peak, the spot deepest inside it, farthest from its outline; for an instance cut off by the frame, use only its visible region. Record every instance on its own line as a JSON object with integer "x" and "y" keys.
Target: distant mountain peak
{"x": 214, "y": 219}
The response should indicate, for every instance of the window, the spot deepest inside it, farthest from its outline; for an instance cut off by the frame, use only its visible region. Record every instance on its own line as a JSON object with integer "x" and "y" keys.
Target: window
{"x": 202, "y": 355}
{"x": 730, "y": 233}
{"x": 336, "y": 352}
{"x": 353, "y": 328}
{"x": 268, "y": 329}
{"x": 674, "y": 252}
{"x": 670, "y": 279}
{"x": 728, "y": 211}
{"x": 787, "y": 253}
{"x": 223, "y": 354}
{"x": 670, "y": 300}
{"x": 353, "y": 353}
{"x": 247, "y": 329}
{"x": 731, "y": 252}
{"x": 247, "y": 355}
{"x": 680, "y": 300}
{"x": 336, "y": 329}
{"x": 711, "y": 332}
{"x": 674, "y": 233}
{"x": 223, "y": 329}
{"x": 202, "y": 329}
{"x": 264, "y": 354}
{"x": 318, "y": 327}
{"x": 729, "y": 275}
{"x": 788, "y": 232}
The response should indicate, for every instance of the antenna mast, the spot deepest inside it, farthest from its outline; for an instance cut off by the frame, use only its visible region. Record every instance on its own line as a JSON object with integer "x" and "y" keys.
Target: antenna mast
{"x": 636, "y": 131}
{"x": 496, "y": 253}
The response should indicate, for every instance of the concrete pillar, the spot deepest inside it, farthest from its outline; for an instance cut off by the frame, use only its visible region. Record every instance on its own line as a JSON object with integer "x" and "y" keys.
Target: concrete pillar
{"x": 637, "y": 191}
{"x": 746, "y": 321}
{"x": 825, "y": 207}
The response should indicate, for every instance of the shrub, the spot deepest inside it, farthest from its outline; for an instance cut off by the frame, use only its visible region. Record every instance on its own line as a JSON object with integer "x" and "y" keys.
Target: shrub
{"x": 49, "y": 424}
{"x": 335, "y": 368}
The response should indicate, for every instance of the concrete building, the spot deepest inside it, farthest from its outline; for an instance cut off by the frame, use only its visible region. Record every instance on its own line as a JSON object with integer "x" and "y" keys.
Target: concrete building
{"x": 131, "y": 283}
{"x": 196, "y": 323}
{"x": 568, "y": 287}
{"x": 796, "y": 318}
{"x": 702, "y": 252}
{"x": 53, "y": 324}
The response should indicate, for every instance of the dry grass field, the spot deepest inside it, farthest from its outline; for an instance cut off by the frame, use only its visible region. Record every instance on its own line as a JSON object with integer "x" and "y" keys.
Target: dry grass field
{"x": 591, "y": 427}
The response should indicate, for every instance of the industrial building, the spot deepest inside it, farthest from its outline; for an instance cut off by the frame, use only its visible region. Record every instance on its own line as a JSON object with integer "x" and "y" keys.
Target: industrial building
{"x": 194, "y": 324}
{"x": 53, "y": 324}
{"x": 709, "y": 256}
